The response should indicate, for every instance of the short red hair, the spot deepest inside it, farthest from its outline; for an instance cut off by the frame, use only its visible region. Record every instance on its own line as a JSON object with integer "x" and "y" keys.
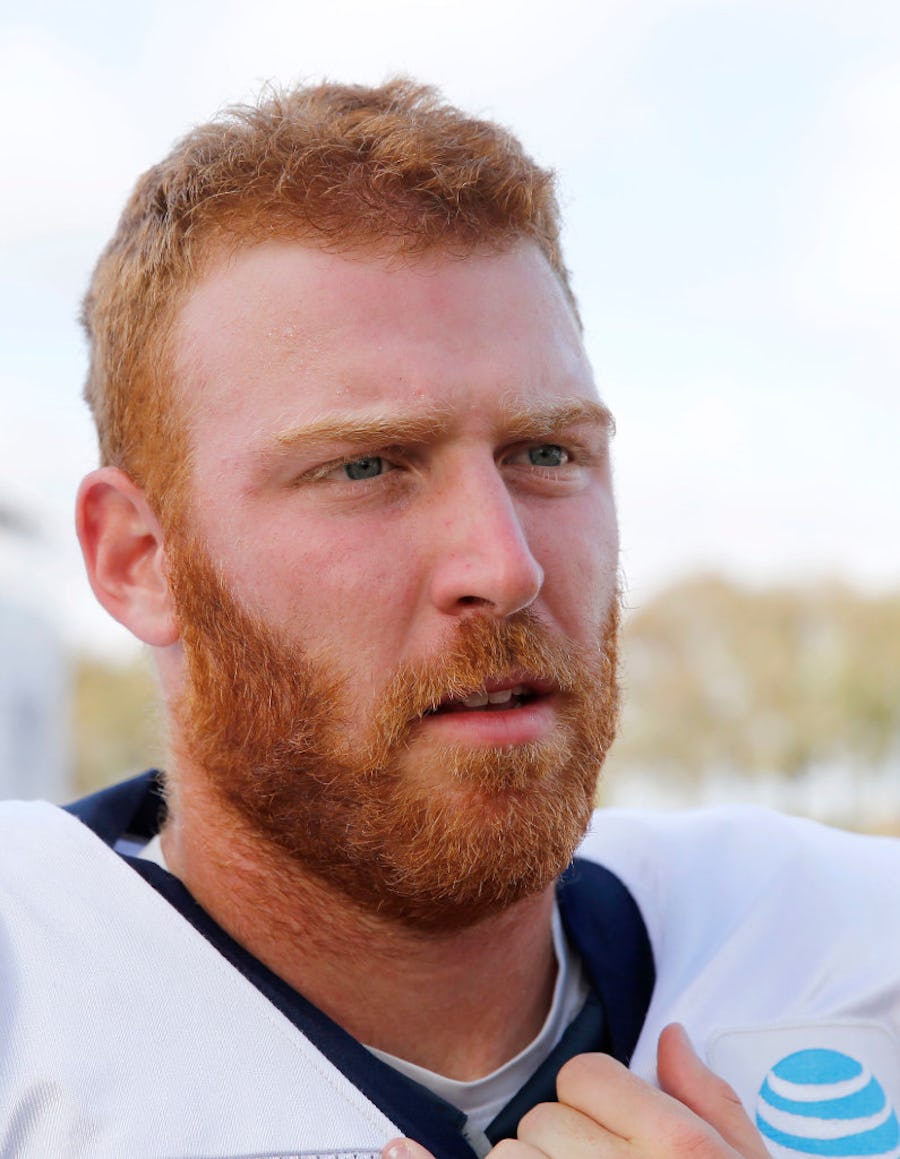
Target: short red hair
{"x": 392, "y": 168}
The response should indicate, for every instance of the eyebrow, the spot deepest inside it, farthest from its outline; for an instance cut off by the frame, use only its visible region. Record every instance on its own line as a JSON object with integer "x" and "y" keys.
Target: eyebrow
{"x": 516, "y": 421}
{"x": 360, "y": 429}
{"x": 527, "y": 422}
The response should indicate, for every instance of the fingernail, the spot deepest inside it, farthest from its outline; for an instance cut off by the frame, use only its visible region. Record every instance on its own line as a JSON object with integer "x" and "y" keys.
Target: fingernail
{"x": 396, "y": 1149}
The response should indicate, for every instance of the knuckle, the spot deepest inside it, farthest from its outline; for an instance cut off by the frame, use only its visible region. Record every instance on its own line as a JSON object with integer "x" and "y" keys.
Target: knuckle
{"x": 506, "y": 1149}
{"x": 535, "y": 1121}
{"x": 719, "y": 1089}
{"x": 730, "y": 1095}
{"x": 583, "y": 1069}
{"x": 690, "y": 1138}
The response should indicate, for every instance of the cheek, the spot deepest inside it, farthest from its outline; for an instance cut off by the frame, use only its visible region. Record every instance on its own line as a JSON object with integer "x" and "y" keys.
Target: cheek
{"x": 579, "y": 551}
{"x": 329, "y": 587}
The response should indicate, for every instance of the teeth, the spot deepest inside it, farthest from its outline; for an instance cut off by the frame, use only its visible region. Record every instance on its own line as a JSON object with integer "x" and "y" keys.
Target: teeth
{"x": 480, "y": 699}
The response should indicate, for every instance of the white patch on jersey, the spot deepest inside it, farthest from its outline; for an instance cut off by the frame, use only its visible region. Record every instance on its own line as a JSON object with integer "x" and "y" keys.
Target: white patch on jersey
{"x": 827, "y": 1088}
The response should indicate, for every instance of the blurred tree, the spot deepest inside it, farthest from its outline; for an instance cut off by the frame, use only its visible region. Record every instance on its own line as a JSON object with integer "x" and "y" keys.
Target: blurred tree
{"x": 724, "y": 679}
{"x": 117, "y": 724}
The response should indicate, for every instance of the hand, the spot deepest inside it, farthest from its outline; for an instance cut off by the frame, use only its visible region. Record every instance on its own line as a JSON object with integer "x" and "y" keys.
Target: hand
{"x": 606, "y": 1112}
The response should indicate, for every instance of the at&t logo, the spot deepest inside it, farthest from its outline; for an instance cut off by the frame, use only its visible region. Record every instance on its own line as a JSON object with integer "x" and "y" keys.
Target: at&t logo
{"x": 823, "y": 1102}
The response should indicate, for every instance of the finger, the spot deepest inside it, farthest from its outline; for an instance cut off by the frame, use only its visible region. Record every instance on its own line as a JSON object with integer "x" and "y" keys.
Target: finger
{"x": 559, "y": 1130}
{"x": 685, "y": 1078}
{"x": 405, "y": 1149}
{"x": 649, "y": 1121}
{"x": 507, "y": 1149}
{"x": 516, "y": 1149}
{"x": 613, "y": 1096}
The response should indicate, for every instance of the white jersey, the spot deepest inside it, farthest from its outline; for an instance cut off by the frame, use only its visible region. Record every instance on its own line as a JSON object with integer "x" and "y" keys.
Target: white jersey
{"x": 130, "y": 1028}
{"x": 777, "y": 945}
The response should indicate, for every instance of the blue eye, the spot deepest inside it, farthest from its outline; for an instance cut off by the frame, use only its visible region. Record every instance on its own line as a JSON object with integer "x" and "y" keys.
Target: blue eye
{"x": 366, "y": 468}
{"x": 548, "y": 455}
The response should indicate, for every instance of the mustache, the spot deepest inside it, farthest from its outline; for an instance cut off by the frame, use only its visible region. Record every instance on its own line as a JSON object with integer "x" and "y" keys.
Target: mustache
{"x": 485, "y": 650}
{"x": 291, "y": 698}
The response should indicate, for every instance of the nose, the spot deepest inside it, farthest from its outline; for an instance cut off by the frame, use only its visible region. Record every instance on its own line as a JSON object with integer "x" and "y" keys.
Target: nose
{"x": 482, "y": 557}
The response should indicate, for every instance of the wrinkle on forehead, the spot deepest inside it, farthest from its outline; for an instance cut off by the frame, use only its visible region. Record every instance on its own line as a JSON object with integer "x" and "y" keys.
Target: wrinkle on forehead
{"x": 336, "y": 354}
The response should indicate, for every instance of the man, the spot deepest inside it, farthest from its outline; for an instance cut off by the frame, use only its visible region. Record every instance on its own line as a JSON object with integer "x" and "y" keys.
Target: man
{"x": 356, "y": 497}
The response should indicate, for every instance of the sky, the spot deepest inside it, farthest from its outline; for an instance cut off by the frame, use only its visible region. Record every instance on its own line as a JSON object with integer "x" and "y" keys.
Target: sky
{"x": 730, "y": 176}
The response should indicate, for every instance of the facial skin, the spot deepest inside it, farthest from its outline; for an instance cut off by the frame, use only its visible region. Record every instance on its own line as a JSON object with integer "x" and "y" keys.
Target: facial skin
{"x": 400, "y": 497}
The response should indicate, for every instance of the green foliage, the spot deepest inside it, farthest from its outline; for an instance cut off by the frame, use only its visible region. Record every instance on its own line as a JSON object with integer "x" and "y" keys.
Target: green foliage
{"x": 117, "y": 724}
{"x": 724, "y": 679}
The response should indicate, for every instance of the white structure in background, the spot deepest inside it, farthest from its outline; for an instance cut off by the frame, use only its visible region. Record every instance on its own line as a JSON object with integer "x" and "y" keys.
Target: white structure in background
{"x": 33, "y": 676}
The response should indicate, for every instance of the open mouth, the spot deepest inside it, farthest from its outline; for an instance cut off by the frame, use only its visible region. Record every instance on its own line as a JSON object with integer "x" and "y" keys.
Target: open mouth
{"x": 495, "y": 700}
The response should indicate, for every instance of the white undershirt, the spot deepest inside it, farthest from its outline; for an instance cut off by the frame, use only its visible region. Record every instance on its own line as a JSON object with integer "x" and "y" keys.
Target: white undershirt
{"x": 153, "y": 851}
{"x": 482, "y": 1099}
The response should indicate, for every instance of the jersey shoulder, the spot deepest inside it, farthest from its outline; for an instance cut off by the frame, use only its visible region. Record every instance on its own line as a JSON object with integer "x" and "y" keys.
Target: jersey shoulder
{"x": 757, "y": 919}
{"x": 715, "y": 866}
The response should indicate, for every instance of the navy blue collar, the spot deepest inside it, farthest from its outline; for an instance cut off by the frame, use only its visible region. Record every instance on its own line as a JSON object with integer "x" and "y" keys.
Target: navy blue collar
{"x": 600, "y": 917}
{"x": 605, "y": 926}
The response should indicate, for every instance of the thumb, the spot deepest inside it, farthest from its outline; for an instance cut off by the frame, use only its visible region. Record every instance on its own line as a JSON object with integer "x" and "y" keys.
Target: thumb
{"x": 683, "y": 1076}
{"x": 404, "y": 1149}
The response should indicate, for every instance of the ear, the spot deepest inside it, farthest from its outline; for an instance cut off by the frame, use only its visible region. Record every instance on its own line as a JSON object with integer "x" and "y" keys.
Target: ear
{"x": 124, "y": 552}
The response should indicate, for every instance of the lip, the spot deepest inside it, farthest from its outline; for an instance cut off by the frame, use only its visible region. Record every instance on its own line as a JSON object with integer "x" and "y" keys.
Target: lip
{"x": 535, "y": 686}
{"x": 499, "y": 727}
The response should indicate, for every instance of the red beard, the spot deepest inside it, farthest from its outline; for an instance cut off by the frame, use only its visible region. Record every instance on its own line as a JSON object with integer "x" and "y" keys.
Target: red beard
{"x": 437, "y": 839}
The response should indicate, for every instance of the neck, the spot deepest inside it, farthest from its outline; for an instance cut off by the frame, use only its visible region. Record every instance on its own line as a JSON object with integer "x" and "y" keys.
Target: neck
{"x": 460, "y": 1004}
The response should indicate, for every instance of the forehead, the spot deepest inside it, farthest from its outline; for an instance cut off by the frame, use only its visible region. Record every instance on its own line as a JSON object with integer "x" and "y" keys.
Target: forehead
{"x": 283, "y": 333}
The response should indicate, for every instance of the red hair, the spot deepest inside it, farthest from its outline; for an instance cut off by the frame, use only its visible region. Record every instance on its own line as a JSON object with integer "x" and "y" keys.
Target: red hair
{"x": 392, "y": 168}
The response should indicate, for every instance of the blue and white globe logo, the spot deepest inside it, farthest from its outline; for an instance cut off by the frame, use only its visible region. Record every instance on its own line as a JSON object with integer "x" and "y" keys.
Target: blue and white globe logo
{"x": 822, "y": 1102}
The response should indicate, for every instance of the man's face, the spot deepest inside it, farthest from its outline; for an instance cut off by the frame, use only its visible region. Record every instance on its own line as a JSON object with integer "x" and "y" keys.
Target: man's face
{"x": 400, "y": 507}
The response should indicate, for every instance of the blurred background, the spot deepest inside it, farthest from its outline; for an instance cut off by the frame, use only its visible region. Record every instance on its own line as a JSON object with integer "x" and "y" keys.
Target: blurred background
{"x": 730, "y": 176}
